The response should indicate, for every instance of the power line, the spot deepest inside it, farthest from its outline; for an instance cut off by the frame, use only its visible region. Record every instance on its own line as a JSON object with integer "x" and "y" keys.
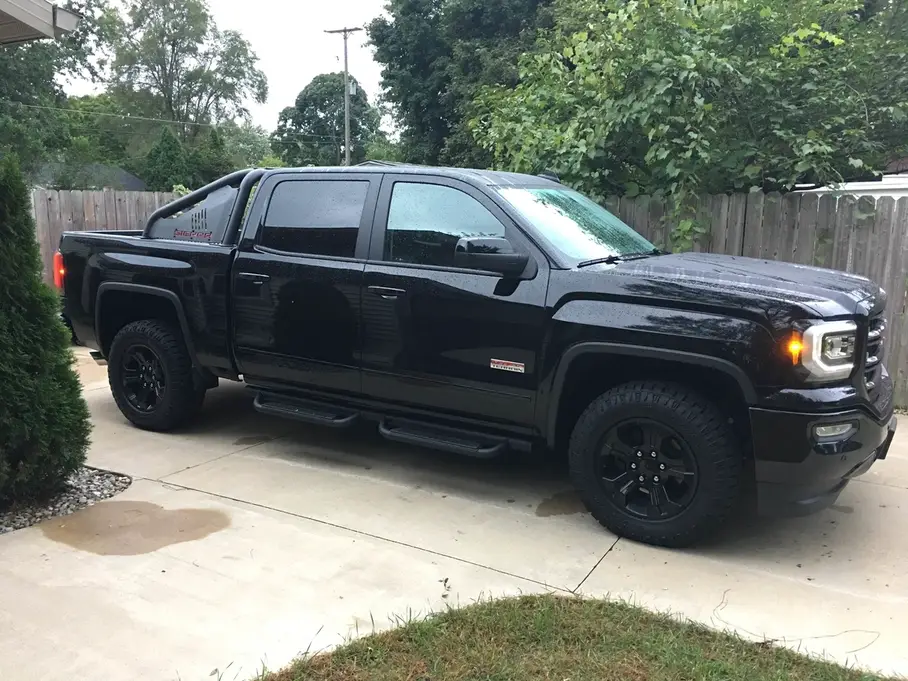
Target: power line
{"x": 147, "y": 119}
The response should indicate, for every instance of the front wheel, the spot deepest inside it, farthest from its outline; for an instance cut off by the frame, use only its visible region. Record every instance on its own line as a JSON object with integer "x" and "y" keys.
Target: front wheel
{"x": 656, "y": 462}
{"x": 150, "y": 374}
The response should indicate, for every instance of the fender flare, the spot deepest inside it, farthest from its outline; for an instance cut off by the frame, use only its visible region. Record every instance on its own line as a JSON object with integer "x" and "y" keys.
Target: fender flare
{"x": 603, "y": 348}
{"x": 170, "y": 296}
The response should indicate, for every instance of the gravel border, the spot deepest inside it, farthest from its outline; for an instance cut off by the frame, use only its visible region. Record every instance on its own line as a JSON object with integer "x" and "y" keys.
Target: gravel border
{"x": 87, "y": 486}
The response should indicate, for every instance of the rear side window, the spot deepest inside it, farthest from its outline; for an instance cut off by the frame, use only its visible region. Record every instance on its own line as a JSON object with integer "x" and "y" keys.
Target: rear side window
{"x": 315, "y": 217}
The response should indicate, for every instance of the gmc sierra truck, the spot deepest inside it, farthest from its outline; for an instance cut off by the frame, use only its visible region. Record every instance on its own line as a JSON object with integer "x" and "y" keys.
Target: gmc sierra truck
{"x": 480, "y": 312}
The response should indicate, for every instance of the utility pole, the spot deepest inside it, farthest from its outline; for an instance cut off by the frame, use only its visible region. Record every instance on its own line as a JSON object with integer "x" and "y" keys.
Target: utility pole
{"x": 346, "y": 32}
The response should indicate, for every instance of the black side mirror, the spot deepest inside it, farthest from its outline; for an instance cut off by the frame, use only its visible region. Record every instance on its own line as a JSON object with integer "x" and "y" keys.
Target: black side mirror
{"x": 494, "y": 254}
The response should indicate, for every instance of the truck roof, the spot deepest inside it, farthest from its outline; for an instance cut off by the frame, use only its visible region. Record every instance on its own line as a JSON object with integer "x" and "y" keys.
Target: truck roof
{"x": 489, "y": 178}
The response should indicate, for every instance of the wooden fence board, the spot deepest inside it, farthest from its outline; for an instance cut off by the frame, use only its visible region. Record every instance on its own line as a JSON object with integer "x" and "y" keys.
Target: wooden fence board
{"x": 737, "y": 213}
{"x": 864, "y": 237}
{"x": 770, "y": 231}
{"x": 753, "y": 225}
{"x": 807, "y": 229}
{"x": 110, "y": 207}
{"x": 826, "y": 218}
{"x": 787, "y": 247}
{"x": 843, "y": 238}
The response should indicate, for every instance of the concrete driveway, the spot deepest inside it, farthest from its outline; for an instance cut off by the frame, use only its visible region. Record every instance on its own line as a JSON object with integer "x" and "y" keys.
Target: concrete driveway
{"x": 246, "y": 540}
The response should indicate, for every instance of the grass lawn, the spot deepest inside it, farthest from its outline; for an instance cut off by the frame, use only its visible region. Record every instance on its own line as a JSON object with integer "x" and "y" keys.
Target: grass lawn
{"x": 558, "y": 639}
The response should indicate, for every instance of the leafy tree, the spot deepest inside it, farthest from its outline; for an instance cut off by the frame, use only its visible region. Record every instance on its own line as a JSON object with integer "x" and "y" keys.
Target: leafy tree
{"x": 210, "y": 160}
{"x": 30, "y": 124}
{"x": 167, "y": 163}
{"x": 383, "y": 149}
{"x": 669, "y": 96}
{"x": 436, "y": 54}
{"x": 44, "y": 423}
{"x": 247, "y": 144}
{"x": 312, "y": 131}
{"x": 171, "y": 58}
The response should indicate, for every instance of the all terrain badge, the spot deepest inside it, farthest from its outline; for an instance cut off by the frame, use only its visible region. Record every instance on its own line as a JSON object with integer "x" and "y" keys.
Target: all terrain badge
{"x": 504, "y": 365}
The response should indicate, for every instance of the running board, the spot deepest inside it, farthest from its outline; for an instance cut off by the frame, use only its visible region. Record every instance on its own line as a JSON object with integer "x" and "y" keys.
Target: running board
{"x": 443, "y": 439}
{"x": 307, "y": 411}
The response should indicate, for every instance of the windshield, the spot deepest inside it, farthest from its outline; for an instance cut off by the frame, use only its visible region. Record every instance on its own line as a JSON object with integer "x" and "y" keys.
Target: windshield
{"x": 575, "y": 225}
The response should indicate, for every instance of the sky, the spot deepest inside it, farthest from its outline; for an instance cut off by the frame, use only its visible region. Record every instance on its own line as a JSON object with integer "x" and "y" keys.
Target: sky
{"x": 288, "y": 37}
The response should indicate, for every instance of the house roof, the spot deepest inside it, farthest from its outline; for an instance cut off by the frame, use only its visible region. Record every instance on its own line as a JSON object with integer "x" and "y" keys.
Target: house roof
{"x": 25, "y": 20}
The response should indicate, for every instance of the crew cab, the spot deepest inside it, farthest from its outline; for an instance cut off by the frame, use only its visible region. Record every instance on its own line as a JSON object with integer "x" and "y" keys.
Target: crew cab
{"x": 478, "y": 313}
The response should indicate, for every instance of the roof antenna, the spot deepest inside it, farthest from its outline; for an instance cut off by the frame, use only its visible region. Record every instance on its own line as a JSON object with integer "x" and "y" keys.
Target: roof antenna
{"x": 549, "y": 175}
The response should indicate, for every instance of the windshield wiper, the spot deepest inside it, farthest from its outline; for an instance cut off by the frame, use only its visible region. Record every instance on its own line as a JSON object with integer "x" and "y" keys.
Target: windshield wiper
{"x": 612, "y": 259}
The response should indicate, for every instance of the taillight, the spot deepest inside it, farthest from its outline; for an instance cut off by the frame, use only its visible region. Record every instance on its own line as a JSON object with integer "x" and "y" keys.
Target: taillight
{"x": 59, "y": 270}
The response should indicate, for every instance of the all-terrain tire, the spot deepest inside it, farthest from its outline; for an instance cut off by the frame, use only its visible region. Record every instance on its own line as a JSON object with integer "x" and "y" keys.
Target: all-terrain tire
{"x": 181, "y": 399}
{"x": 704, "y": 429}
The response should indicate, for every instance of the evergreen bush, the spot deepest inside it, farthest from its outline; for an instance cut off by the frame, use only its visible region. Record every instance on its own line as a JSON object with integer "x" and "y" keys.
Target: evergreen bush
{"x": 44, "y": 422}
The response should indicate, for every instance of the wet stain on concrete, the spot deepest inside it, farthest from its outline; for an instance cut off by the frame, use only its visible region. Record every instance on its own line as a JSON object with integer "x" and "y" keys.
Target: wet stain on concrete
{"x": 250, "y": 440}
{"x": 131, "y": 528}
{"x": 563, "y": 503}
{"x": 841, "y": 508}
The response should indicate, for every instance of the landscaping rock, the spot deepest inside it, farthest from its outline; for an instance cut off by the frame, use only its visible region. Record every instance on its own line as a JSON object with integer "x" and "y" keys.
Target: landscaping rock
{"x": 85, "y": 487}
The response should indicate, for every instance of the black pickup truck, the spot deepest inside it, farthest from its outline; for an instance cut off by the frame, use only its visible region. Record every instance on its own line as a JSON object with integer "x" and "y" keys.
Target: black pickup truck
{"x": 480, "y": 312}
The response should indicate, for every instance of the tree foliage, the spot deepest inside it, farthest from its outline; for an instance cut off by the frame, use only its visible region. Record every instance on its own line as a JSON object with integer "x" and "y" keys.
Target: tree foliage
{"x": 167, "y": 163}
{"x": 171, "y": 58}
{"x": 30, "y": 92}
{"x": 675, "y": 97}
{"x": 436, "y": 54}
{"x": 312, "y": 131}
{"x": 44, "y": 424}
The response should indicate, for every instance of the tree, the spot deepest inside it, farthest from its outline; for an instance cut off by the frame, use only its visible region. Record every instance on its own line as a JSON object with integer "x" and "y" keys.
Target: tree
{"x": 436, "y": 54}
{"x": 30, "y": 96}
{"x": 171, "y": 58}
{"x": 312, "y": 131}
{"x": 210, "y": 160}
{"x": 383, "y": 149}
{"x": 247, "y": 144}
{"x": 673, "y": 97}
{"x": 44, "y": 422}
{"x": 166, "y": 164}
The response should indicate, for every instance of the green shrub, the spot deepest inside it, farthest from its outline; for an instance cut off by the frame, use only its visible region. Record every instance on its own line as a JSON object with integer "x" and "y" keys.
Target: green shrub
{"x": 44, "y": 424}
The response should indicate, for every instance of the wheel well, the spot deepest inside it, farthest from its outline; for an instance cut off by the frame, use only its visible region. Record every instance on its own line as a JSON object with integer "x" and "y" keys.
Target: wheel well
{"x": 119, "y": 308}
{"x": 592, "y": 374}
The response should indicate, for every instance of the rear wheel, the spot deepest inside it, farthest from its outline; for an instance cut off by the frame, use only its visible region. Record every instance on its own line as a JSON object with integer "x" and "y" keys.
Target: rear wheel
{"x": 656, "y": 463}
{"x": 151, "y": 378}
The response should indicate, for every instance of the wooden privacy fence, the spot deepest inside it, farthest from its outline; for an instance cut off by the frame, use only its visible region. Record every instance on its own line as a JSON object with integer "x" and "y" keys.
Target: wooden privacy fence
{"x": 863, "y": 235}
{"x": 56, "y": 212}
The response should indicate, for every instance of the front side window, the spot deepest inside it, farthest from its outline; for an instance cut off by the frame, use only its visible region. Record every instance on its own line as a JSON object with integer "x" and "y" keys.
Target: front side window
{"x": 575, "y": 225}
{"x": 425, "y": 222}
{"x": 315, "y": 217}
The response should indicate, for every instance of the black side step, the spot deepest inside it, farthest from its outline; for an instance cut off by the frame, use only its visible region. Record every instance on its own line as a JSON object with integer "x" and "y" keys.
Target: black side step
{"x": 306, "y": 411}
{"x": 450, "y": 440}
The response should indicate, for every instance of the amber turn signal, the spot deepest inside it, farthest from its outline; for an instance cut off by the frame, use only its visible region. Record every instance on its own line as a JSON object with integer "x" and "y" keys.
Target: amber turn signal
{"x": 793, "y": 348}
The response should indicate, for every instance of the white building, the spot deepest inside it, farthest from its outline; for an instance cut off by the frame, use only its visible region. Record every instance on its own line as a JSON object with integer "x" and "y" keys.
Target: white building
{"x": 887, "y": 185}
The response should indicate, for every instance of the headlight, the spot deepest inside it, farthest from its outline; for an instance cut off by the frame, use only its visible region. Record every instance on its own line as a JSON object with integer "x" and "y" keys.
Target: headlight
{"x": 828, "y": 350}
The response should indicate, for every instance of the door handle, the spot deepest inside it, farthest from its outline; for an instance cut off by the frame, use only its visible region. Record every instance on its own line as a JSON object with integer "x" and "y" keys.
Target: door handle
{"x": 387, "y": 293}
{"x": 254, "y": 277}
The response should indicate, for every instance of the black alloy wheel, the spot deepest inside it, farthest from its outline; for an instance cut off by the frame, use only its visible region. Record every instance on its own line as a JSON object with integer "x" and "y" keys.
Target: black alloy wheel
{"x": 657, "y": 462}
{"x": 647, "y": 470}
{"x": 143, "y": 378}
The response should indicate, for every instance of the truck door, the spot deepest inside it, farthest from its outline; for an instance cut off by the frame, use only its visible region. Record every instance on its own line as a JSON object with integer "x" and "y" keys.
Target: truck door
{"x": 437, "y": 336}
{"x": 297, "y": 281}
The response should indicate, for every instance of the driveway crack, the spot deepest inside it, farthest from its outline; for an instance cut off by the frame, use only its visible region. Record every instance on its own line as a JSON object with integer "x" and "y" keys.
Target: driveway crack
{"x": 598, "y": 563}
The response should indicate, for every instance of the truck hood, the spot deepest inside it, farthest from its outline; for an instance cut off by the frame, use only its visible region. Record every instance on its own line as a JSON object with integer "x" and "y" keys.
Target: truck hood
{"x": 769, "y": 286}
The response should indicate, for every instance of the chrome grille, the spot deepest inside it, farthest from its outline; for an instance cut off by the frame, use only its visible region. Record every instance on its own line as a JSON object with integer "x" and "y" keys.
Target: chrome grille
{"x": 875, "y": 338}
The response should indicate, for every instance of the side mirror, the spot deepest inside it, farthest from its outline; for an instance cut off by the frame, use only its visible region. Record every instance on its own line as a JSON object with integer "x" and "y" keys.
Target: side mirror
{"x": 489, "y": 253}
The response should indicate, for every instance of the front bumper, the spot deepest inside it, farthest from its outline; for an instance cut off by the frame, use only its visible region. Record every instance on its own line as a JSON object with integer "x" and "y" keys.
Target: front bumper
{"x": 798, "y": 473}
